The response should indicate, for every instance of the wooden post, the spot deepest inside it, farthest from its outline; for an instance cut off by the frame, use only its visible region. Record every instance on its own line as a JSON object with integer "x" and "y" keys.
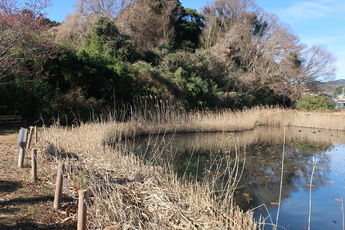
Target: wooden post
{"x": 58, "y": 188}
{"x": 21, "y": 144}
{"x": 82, "y": 210}
{"x": 36, "y": 136}
{"x": 34, "y": 164}
{"x": 21, "y": 156}
{"x": 28, "y": 143}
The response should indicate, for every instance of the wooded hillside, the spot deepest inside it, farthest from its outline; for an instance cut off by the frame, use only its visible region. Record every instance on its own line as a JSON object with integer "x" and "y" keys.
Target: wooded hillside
{"x": 112, "y": 54}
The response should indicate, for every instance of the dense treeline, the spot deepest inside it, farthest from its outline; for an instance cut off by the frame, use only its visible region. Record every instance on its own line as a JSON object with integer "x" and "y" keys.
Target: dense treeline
{"x": 109, "y": 53}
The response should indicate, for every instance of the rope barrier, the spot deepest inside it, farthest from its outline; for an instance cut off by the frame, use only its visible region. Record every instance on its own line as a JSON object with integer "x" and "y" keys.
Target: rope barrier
{"x": 40, "y": 168}
{"x": 92, "y": 216}
{"x": 70, "y": 192}
{"x": 65, "y": 187}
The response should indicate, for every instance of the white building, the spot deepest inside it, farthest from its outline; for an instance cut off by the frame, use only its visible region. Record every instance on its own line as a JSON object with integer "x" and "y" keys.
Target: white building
{"x": 340, "y": 101}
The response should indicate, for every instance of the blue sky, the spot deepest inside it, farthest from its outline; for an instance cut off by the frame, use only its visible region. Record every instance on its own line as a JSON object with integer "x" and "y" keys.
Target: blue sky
{"x": 313, "y": 21}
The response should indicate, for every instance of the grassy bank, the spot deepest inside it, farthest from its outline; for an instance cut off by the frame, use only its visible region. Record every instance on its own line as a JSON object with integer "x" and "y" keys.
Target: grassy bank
{"x": 318, "y": 120}
{"x": 131, "y": 194}
{"x": 224, "y": 121}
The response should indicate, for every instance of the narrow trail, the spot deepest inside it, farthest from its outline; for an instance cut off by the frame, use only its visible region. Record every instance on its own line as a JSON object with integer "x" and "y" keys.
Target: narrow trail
{"x": 24, "y": 203}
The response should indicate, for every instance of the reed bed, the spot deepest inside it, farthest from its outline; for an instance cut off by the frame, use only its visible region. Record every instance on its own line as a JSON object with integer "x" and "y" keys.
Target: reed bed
{"x": 129, "y": 194}
{"x": 333, "y": 120}
{"x": 170, "y": 120}
{"x": 132, "y": 194}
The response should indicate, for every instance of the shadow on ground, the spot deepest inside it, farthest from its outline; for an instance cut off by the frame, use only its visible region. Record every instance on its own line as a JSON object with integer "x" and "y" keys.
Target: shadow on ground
{"x": 10, "y": 186}
{"x": 31, "y": 200}
{"x": 29, "y": 224}
{"x": 26, "y": 222}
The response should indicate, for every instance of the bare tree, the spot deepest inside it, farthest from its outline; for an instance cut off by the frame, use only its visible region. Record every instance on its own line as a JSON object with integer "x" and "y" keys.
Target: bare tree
{"x": 305, "y": 70}
{"x": 221, "y": 15}
{"x": 318, "y": 63}
{"x": 85, "y": 14}
{"x": 21, "y": 26}
{"x": 150, "y": 22}
{"x": 104, "y": 8}
{"x": 261, "y": 51}
{"x": 71, "y": 32}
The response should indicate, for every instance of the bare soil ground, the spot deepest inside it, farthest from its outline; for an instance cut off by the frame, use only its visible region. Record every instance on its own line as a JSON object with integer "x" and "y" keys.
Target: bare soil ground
{"x": 24, "y": 203}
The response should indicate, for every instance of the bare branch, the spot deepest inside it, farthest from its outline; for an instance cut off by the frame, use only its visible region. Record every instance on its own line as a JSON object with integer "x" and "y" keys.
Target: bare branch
{"x": 21, "y": 25}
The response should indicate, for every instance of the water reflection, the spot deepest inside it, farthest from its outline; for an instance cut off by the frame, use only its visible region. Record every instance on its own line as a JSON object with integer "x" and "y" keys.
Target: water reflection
{"x": 259, "y": 155}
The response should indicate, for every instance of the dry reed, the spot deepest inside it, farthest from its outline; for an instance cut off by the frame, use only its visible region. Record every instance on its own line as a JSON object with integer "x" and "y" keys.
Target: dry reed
{"x": 317, "y": 120}
{"x": 131, "y": 194}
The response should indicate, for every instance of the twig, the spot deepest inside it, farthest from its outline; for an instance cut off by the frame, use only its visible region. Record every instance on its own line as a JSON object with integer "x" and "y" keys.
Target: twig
{"x": 310, "y": 190}
{"x": 281, "y": 180}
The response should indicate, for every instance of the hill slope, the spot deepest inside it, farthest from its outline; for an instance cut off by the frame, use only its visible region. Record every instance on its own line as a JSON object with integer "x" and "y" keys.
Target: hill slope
{"x": 329, "y": 87}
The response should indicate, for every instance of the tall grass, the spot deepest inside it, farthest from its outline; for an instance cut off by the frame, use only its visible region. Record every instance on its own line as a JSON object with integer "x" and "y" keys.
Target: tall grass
{"x": 134, "y": 194}
{"x": 318, "y": 120}
{"x": 158, "y": 117}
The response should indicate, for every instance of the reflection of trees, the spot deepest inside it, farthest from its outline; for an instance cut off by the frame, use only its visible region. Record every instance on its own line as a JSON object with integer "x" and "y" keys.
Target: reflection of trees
{"x": 303, "y": 154}
{"x": 211, "y": 157}
{"x": 263, "y": 170}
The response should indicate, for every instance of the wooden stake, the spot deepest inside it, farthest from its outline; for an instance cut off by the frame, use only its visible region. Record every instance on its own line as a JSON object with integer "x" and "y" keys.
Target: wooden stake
{"x": 21, "y": 156}
{"x": 82, "y": 210}
{"x": 36, "y": 136}
{"x": 58, "y": 188}
{"x": 34, "y": 164}
{"x": 28, "y": 143}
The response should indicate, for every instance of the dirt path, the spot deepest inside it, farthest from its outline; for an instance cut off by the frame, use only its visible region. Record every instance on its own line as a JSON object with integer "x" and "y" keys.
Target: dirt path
{"x": 25, "y": 204}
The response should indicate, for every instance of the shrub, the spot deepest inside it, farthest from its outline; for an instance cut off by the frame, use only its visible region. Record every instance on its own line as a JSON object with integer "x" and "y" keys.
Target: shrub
{"x": 315, "y": 103}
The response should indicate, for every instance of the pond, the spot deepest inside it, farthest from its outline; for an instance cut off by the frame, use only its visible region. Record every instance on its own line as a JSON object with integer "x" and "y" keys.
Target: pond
{"x": 311, "y": 183}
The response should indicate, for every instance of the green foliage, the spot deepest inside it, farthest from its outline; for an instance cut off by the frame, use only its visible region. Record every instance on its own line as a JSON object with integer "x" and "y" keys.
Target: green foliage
{"x": 148, "y": 80}
{"x": 315, "y": 103}
{"x": 156, "y": 8}
{"x": 339, "y": 90}
{"x": 109, "y": 69}
{"x": 188, "y": 29}
{"x": 106, "y": 40}
{"x": 191, "y": 79}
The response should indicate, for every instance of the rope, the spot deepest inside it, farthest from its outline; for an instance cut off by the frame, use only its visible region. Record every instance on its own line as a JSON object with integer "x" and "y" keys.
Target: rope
{"x": 66, "y": 188}
{"x": 70, "y": 193}
{"x": 92, "y": 216}
{"x": 40, "y": 168}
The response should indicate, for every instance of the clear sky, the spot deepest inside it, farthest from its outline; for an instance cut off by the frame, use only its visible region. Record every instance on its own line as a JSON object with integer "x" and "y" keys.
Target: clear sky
{"x": 313, "y": 21}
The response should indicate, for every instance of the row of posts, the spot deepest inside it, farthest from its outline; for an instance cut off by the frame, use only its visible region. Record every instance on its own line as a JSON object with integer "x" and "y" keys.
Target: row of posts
{"x": 24, "y": 142}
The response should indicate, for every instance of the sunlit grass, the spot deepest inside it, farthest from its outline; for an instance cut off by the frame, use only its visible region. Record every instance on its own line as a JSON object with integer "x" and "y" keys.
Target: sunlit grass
{"x": 296, "y": 118}
{"x": 128, "y": 193}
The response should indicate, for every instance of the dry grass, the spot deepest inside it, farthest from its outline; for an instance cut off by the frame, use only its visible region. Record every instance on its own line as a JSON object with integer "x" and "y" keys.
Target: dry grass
{"x": 317, "y": 120}
{"x": 131, "y": 194}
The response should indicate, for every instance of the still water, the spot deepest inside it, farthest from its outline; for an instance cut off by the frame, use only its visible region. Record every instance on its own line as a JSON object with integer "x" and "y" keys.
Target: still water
{"x": 311, "y": 183}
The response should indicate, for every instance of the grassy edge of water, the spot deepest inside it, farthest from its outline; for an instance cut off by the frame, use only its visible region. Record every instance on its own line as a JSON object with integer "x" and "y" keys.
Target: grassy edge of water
{"x": 133, "y": 195}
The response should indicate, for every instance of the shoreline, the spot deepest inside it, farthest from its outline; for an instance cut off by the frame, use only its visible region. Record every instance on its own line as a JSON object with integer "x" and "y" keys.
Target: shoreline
{"x": 129, "y": 193}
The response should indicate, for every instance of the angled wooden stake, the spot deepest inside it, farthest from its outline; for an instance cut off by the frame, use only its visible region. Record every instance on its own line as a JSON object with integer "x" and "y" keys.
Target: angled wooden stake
{"x": 82, "y": 210}
{"x": 36, "y": 135}
{"x": 28, "y": 143}
{"x": 59, "y": 186}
